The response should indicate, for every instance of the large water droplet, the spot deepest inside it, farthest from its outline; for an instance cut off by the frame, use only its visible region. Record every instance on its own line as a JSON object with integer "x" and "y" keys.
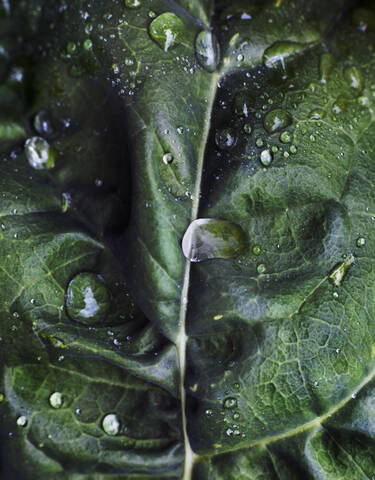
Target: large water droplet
{"x": 56, "y": 399}
{"x": 266, "y": 158}
{"x": 230, "y": 403}
{"x": 226, "y": 138}
{"x": 87, "y": 298}
{"x": 326, "y": 65}
{"x": 208, "y": 238}
{"x": 279, "y": 51}
{"x": 167, "y": 30}
{"x": 43, "y": 123}
{"x": 355, "y": 79}
{"x": 111, "y": 424}
{"x": 277, "y": 120}
{"x": 207, "y": 50}
{"x": 39, "y": 153}
{"x": 22, "y": 421}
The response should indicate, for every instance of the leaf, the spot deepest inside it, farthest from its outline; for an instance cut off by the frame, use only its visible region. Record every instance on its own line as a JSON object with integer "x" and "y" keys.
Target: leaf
{"x": 256, "y": 360}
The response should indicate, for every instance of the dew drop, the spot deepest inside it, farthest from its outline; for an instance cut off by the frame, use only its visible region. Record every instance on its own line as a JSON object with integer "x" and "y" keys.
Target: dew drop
{"x": 209, "y": 412}
{"x": 355, "y": 79}
{"x": 286, "y": 137}
{"x": 361, "y": 242}
{"x": 317, "y": 114}
{"x": 2, "y": 397}
{"x": 266, "y": 158}
{"x": 208, "y": 238}
{"x": 259, "y": 142}
{"x": 22, "y": 421}
{"x": 87, "y": 298}
{"x": 87, "y": 44}
{"x": 243, "y": 104}
{"x": 56, "y": 400}
{"x": 247, "y": 128}
{"x": 326, "y": 65}
{"x": 167, "y": 158}
{"x": 257, "y": 250}
{"x": 43, "y": 123}
{"x": 207, "y": 50}
{"x": 293, "y": 149}
{"x": 277, "y": 120}
{"x": 133, "y": 3}
{"x": 230, "y": 402}
{"x": 111, "y": 424}
{"x": 66, "y": 201}
{"x": 39, "y": 153}
{"x": 236, "y": 416}
{"x": 261, "y": 268}
{"x": 226, "y": 138}
{"x": 167, "y": 30}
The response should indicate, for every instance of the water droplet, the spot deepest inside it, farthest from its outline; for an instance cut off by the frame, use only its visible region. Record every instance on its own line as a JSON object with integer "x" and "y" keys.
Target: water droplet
{"x": 22, "y": 421}
{"x": 257, "y": 250}
{"x": 87, "y": 298}
{"x": 277, "y": 120}
{"x": 66, "y": 201}
{"x": 361, "y": 242}
{"x": 207, "y": 50}
{"x": 312, "y": 138}
{"x": 259, "y": 142}
{"x": 247, "y": 128}
{"x": 339, "y": 272}
{"x": 279, "y": 52}
{"x": 209, "y": 412}
{"x": 364, "y": 19}
{"x": 317, "y": 114}
{"x": 87, "y": 44}
{"x": 226, "y": 138}
{"x": 167, "y": 30}
{"x": 355, "y": 79}
{"x": 266, "y": 158}
{"x": 133, "y": 3}
{"x": 327, "y": 64}
{"x": 71, "y": 48}
{"x": 2, "y": 397}
{"x": 208, "y": 238}
{"x": 236, "y": 386}
{"x": 293, "y": 149}
{"x": 111, "y": 424}
{"x": 261, "y": 268}
{"x": 335, "y": 295}
{"x": 286, "y": 137}
{"x": 240, "y": 57}
{"x": 230, "y": 403}
{"x": 236, "y": 416}
{"x": 56, "y": 400}
{"x": 39, "y": 154}
{"x": 43, "y": 123}
{"x": 229, "y": 432}
{"x": 167, "y": 158}
{"x": 180, "y": 130}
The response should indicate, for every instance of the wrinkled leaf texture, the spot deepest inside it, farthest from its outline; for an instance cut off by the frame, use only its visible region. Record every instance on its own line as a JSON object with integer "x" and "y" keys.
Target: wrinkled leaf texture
{"x": 289, "y": 352}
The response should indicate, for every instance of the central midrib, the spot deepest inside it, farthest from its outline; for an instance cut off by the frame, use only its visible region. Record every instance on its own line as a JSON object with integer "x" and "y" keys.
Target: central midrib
{"x": 190, "y": 456}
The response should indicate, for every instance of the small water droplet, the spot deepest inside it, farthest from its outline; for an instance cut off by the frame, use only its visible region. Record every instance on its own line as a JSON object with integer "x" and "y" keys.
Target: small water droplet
{"x": 43, "y": 123}
{"x": 327, "y": 64}
{"x": 226, "y": 138}
{"x": 236, "y": 416}
{"x": 259, "y": 142}
{"x": 312, "y": 138}
{"x": 167, "y": 30}
{"x": 180, "y": 130}
{"x": 277, "y": 120}
{"x": 317, "y": 114}
{"x": 247, "y": 128}
{"x": 87, "y": 298}
{"x": 293, "y": 149}
{"x": 335, "y": 295}
{"x": 209, "y": 412}
{"x": 39, "y": 153}
{"x": 266, "y": 158}
{"x": 133, "y": 3}
{"x": 257, "y": 250}
{"x": 167, "y": 158}
{"x": 56, "y": 399}
{"x": 111, "y": 424}
{"x": 261, "y": 268}
{"x": 361, "y": 242}
{"x": 22, "y": 421}
{"x": 207, "y": 50}
{"x": 2, "y": 397}
{"x": 364, "y": 19}
{"x": 208, "y": 238}
{"x": 286, "y": 137}
{"x": 230, "y": 402}
{"x": 355, "y": 79}
{"x": 66, "y": 201}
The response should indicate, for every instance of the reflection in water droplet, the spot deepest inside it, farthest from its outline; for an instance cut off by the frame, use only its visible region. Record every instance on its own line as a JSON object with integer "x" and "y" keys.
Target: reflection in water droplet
{"x": 167, "y": 158}
{"x": 167, "y": 30}
{"x": 208, "y": 238}
{"x": 22, "y": 421}
{"x": 266, "y": 158}
{"x": 39, "y": 154}
{"x": 355, "y": 79}
{"x": 207, "y": 50}
{"x": 226, "y": 138}
{"x": 56, "y": 400}
{"x": 111, "y": 424}
{"x": 87, "y": 298}
{"x": 230, "y": 403}
{"x": 277, "y": 120}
